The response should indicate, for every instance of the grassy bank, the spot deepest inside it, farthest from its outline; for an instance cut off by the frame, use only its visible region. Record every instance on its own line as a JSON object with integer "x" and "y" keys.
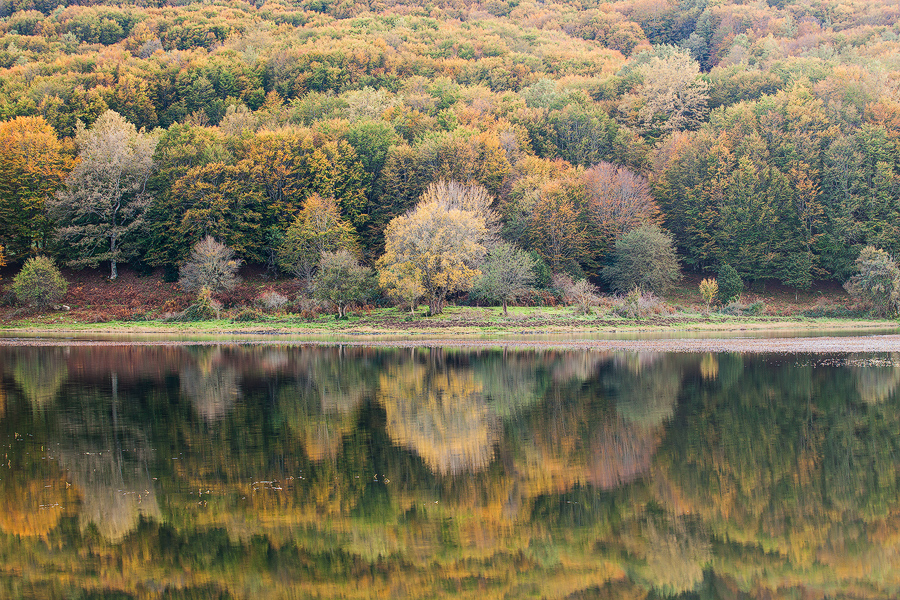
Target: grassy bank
{"x": 145, "y": 304}
{"x": 456, "y": 320}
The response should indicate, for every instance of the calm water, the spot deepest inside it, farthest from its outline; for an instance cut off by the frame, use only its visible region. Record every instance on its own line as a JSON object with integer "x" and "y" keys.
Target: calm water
{"x": 285, "y": 472}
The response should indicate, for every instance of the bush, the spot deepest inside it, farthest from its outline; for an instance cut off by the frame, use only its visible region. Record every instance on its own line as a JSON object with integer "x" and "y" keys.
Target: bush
{"x": 206, "y": 308}
{"x": 581, "y": 294}
{"x": 730, "y": 284}
{"x": 744, "y": 310}
{"x": 877, "y": 283}
{"x": 645, "y": 258}
{"x": 39, "y": 283}
{"x": 834, "y": 311}
{"x": 211, "y": 265}
{"x": 248, "y": 315}
{"x": 271, "y": 300}
{"x": 638, "y": 304}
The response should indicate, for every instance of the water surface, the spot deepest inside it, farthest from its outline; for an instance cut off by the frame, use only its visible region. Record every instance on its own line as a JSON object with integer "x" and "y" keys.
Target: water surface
{"x": 230, "y": 471}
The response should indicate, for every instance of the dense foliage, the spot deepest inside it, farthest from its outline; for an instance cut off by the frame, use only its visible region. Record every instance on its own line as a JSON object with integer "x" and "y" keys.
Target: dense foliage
{"x": 39, "y": 283}
{"x": 763, "y": 136}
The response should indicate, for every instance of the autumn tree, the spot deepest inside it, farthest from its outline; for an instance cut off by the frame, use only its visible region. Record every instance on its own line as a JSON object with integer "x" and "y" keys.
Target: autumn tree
{"x": 709, "y": 289}
{"x": 556, "y": 228}
{"x": 439, "y": 244}
{"x": 102, "y": 203}
{"x": 219, "y": 200}
{"x": 32, "y": 167}
{"x": 618, "y": 200}
{"x": 506, "y": 273}
{"x": 317, "y": 228}
{"x": 341, "y": 280}
{"x": 671, "y": 96}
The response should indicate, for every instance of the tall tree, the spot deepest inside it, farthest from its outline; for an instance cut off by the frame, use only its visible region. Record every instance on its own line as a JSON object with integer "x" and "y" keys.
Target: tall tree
{"x": 556, "y": 229}
{"x": 32, "y": 167}
{"x": 439, "y": 244}
{"x": 103, "y": 201}
{"x": 617, "y": 201}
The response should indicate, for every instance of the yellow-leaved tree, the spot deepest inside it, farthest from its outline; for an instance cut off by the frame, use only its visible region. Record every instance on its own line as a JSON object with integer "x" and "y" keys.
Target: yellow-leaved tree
{"x": 437, "y": 246}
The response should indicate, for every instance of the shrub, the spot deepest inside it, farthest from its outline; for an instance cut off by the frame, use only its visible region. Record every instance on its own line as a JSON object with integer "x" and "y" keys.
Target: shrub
{"x": 248, "y": 315}
{"x": 581, "y": 294}
{"x": 744, "y": 310}
{"x": 205, "y": 308}
{"x": 834, "y": 311}
{"x": 638, "y": 304}
{"x": 877, "y": 283}
{"x": 271, "y": 300}
{"x": 645, "y": 258}
{"x": 210, "y": 265}
{"x": 39, "y": 283}
{"x": 730, "y": 284}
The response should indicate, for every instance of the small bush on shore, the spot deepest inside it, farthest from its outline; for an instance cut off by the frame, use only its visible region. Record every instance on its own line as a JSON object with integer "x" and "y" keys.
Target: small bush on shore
{"x": 249, "y": 315}
{"x": 205, "y": 308}
{"x": 39, "y": 284}
{"x": 638, "y": 304}
{"x": 736, "y": 309}
{"x": 210, "y": 265}
{"x": 271, "y": 300}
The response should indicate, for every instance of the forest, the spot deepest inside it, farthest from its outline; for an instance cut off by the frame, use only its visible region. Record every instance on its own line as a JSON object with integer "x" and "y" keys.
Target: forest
{"x": 759, "y": 135}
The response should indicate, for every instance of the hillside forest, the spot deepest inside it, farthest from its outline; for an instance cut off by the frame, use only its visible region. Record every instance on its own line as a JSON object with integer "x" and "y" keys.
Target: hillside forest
{"x": 761, "y": 135}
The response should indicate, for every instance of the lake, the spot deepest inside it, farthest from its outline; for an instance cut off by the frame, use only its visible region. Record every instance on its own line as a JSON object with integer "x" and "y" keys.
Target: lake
{"x": 289, "y": 471}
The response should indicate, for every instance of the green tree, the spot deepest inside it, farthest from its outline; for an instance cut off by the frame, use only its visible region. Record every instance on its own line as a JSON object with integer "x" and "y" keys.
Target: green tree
{"x": 39, "y": 283}
{"x": 644, "y": 258}
{"x": 341, "y": 280}
{"x": 506, "y": 273}
{"x": 730, "y": 284}
{"x": 103, "y": 202}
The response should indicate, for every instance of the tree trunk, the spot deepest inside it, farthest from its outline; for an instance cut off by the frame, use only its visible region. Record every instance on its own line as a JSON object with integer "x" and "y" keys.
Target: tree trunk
{"x": 505, "y": 314}
{"x": 435, "y": 306}
{"x": 113, "y": 272}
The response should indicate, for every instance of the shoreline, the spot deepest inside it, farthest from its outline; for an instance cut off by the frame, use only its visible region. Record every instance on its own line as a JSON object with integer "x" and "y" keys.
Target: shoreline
{"x": 787, "y": 336}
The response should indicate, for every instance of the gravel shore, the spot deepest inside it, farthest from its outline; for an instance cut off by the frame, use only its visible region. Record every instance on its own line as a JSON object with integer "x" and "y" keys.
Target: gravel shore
{"x": 817, "y": 345}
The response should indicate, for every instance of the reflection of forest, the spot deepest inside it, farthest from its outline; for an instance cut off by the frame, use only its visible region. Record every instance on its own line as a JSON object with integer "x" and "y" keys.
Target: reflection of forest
{"x": 218, "y": 472}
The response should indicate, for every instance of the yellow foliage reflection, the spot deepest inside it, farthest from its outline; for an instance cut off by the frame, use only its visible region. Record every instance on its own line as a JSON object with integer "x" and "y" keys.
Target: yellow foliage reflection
{"x": 441, "y": 415}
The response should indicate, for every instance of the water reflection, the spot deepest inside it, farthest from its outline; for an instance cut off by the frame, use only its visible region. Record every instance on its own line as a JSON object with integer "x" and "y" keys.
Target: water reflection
{"x": 235, "y": 472}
